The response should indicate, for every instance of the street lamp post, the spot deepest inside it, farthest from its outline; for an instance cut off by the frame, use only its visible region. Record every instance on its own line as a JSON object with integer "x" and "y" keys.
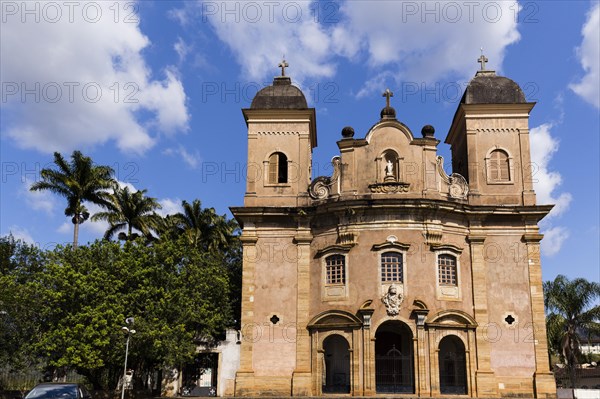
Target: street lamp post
{"x": 129, "y": 332}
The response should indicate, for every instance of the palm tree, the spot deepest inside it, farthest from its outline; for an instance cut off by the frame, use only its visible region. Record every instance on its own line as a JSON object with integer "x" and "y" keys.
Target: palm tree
{"x": 203, "y": 227}
{"x": 129, "y": 210}
{"x": 571, "y": 314}
{"x": 78, "y": 181}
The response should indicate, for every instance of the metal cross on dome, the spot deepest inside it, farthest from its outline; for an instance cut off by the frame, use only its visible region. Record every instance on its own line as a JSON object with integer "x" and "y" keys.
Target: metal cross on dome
{"x": 387, "y": 94}
{"x": 283, "y": 64}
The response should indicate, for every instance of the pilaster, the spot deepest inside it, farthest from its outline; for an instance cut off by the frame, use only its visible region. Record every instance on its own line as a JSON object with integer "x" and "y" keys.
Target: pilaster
{"x": 485, "y": 378}
{"x": 526, "y": 171}
{"x": 301, "y": 378}
{"x": 543, "y": 380}
{"x": 422, "y": 365}
{"x": 368, "y": 354}
{"x": 244, "y": 379}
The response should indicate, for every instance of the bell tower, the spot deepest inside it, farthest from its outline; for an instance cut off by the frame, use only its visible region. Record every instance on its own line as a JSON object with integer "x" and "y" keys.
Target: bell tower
{"x": 489, "y": 139}
{"x": 281, "y": 136}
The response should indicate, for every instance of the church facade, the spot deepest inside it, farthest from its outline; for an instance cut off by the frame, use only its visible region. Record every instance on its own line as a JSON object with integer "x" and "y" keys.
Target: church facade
{"x": 391, "y": 276}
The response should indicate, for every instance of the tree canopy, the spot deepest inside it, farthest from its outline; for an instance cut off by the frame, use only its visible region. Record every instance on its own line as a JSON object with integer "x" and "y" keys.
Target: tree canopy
{"x": 65, "y": 308}
{"x": 178, "y": 276}
{"x": 78, "y": 181}
{"x": 572, "y": 313}
{"x": 127, "y": 210}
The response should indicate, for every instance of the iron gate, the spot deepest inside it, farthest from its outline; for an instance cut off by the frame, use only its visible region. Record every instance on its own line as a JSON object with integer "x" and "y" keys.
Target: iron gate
{"x": 394, "y": 372}
{"x": 337, "y": 374}
{"x": 200, "y": 377}
{"x": 453, "y": 377}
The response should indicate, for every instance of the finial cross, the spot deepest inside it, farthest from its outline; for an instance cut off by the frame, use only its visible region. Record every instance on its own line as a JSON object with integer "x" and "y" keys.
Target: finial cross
{"x": 482, "y": 60}
{"x": 387, "y": 94}
{"x": 283, "y": 64}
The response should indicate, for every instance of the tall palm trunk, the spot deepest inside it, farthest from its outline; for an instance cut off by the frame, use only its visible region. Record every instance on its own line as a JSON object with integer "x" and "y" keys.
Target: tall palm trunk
{"x": 75, "y": 234}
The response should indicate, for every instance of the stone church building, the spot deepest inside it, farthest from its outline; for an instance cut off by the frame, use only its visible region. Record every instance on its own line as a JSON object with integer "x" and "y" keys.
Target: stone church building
{"x": 391, "y": 276}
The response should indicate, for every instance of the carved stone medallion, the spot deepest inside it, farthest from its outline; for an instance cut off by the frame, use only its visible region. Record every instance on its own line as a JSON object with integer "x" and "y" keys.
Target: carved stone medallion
{"x": 392, "y": 300}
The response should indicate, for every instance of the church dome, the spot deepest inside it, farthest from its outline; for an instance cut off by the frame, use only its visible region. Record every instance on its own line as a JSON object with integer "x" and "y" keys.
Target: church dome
{"x": 488, "y": 88}
{"x": 280, "y": 95}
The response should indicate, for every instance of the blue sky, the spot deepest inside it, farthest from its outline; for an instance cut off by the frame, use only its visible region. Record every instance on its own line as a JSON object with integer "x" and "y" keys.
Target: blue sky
{"x": 155, "y": 89}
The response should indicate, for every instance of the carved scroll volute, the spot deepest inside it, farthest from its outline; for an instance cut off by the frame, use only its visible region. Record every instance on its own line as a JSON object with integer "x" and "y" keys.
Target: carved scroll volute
{"x": 457, "y": 185}
{"x": 459, "y": 188}
{"x": 322, "y": 187}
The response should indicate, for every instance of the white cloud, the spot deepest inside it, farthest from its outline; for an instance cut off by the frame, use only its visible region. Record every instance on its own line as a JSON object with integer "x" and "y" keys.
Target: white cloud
{"x": 130, "y": 186}
{"x": 589, "y": 56}
{"x": 546, "y": 184}
{"x": 553, "y": 240}
{"x": 37, "y": 200}
{"x": 259, "y": 34}
{"x": 65, "y": 228}
{"x": 415, "y": 41}
{"x": 190, "y": 158}
{"x": 182, "y": 49}
{"x": 20, "y": 233}
{"x": 170, "y": 206}
{"x": 545, "y": 181}
{"x": 96, "y": 229}
{"x": 88, "y": 80}
{"x": 425, "y": 41}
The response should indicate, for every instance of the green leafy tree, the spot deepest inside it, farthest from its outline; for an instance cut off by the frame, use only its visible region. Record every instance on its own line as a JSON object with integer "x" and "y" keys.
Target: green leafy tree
{"x": 74, "y": 303}
{"x": 571, "y": 313}
{"x": 19, "y": 320}
{"x": 130, "y": 211}
{"x": 78, "y": 181}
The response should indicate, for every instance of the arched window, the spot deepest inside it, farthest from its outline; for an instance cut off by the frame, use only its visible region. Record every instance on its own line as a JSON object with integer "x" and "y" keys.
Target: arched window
{"x": 278, "y": 168}
{"x": 391, "y": 267}
{"x": 447, "y": 270}
{"x": 335, "y": 269}
{"x": 499, "y": 168}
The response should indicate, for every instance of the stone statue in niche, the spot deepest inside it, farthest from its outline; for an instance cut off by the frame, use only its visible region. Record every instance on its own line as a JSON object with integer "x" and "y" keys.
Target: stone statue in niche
{"x": 392, "y": 300}
{"x": 389, "y": 168}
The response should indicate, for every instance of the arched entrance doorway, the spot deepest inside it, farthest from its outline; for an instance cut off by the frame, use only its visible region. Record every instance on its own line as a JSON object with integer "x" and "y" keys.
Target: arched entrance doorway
{"x": 394, "y": 371}
{"x": 336, "y": 367}
{"x": 453, "y": 366}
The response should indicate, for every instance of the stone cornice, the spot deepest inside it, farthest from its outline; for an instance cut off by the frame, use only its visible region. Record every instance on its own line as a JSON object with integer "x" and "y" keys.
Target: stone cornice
{"x": 496, "y": 111}
{"x": 530, "y": 212}
{"x": 334, "y": 249}
{"x": 284, "y": 116}
{"x": 476, "y": 238}
{"x": 532, "y": 237}
{"x": 446, "y": 247}
{"x": 390, "y": 245}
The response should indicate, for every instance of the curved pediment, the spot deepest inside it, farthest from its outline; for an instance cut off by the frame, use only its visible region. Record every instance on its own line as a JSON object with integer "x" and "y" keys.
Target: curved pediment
{"x": 452, "y": 318}
{"x": 334, "y": 319}
{"x": 388, "y": 125}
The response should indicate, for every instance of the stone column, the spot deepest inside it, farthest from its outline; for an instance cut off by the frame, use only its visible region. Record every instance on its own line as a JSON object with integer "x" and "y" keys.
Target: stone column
{"x": 485, "y": 379}
{"x": 434, "y": 369}
{"x": 317, "y": 364}
{"x": 416, "y": 365}
{"x": 301, "y": 378}
{"x": 422, "y": 360}
{"x": 244, "y": 379}
{"x": 368, "y": 369}
{"x": 543, "y": 379}
{"x": 471, "y": 365}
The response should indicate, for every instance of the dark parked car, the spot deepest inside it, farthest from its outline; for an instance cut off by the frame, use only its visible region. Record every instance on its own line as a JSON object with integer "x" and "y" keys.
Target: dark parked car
{"x": 58, "y": 390}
